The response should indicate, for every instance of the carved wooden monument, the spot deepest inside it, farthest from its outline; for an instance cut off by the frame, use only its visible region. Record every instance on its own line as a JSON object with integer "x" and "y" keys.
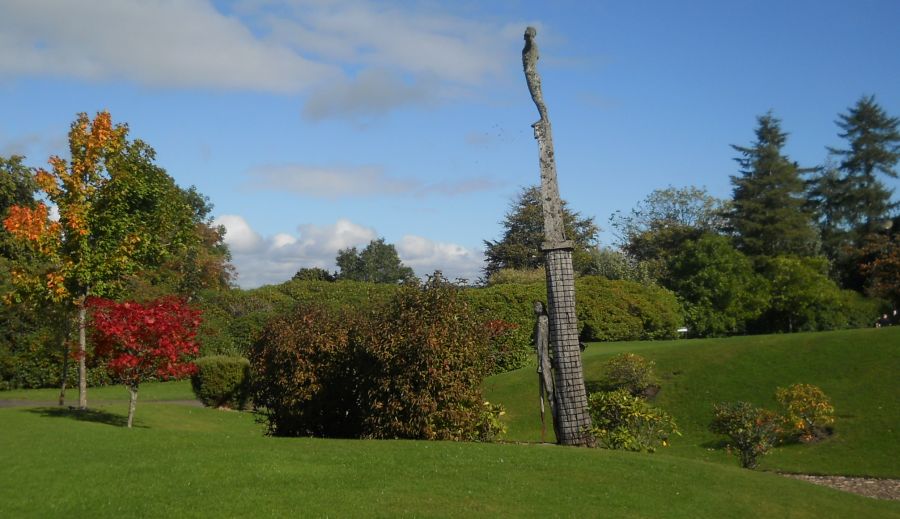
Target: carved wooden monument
{"x": 571, "y": 411}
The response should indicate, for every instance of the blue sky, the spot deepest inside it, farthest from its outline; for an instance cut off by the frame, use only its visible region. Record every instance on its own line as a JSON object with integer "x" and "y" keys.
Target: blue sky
{"x": 315, "y": 125}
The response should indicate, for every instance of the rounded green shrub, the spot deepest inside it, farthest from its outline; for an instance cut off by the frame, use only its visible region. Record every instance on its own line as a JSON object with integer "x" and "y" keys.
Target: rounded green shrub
{"x": 630, "y": 372}
{"x": 222, "y": 381}
{"x": 751, "y": 431}
{"x": 808, "y": 412}
{"x": 624, "y": 421}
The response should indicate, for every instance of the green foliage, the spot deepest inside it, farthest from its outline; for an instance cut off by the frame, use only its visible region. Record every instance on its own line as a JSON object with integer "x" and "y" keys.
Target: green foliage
{"x": 222, "y": 381}
{"x": 410, "y": 369}
{"x": 313, "y": 274}
{"x": 809, "y": 413}
{"x": 720, "y": 291}
{"x": 769, "y": 211}
{"x": 614, "y": 265}
{"x": 654, "y": 230}
{"x": 377, "y": 263}
{"x": 518, "y": 276}
{"x": 630, "y": 372}
{"x": 849, "y": 198}
{"x": 625, "y": 310}
{"x": 802, "y": 297}
{"x": 624, "y": 421}
{"x": 520, "y": 246}
{"x": 426, "y": 353}
{"x": 751, "y": 431}
{"x": 17, "y": 185}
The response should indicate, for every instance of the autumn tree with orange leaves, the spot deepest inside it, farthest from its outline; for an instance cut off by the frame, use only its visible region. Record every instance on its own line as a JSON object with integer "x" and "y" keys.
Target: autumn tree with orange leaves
{"x": 120, "y": 215}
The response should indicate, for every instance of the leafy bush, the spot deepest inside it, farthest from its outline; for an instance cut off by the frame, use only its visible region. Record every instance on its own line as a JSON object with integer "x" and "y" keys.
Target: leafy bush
{"x": 490, "y": 427}
{"x": 752, "y": 431}
{"x": 630, "y": 372}
{"x": 808, "y": 412}
{"x": 304, "y": 378}
{"x": 426, "y": 355}
{"x": 623, "y": 421}
{"x": 222, "y": 381}
{"x": 410, "y": 369}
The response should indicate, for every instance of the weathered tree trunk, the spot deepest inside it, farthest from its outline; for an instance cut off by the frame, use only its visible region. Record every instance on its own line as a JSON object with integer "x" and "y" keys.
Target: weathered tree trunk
{"x": 132, "y": 404}
{"x": 573, "y": 419}
{"x": 82, "y": 354}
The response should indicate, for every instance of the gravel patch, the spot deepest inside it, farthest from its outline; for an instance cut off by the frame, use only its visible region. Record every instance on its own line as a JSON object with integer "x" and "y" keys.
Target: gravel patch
{"x": 869, "y": 487}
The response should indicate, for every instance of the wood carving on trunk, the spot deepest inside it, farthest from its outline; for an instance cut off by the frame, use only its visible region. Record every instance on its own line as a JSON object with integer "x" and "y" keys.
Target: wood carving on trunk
{"x": 571, "y": 411}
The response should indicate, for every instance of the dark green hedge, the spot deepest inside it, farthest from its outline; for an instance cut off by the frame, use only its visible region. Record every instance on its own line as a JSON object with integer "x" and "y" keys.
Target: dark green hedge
{"x": 222, "y": 381}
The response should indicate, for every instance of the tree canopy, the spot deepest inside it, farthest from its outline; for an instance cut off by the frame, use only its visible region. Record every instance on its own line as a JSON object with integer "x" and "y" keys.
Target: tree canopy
{"x": 520, "y": 246}
{"x": 769, "y": 214}
{"x": 377, "y": 263}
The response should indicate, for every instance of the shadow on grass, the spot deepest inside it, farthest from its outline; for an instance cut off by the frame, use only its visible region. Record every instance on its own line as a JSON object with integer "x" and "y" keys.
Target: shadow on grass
{"x": 86, "y": 415}
{"x": 720, "y": 444}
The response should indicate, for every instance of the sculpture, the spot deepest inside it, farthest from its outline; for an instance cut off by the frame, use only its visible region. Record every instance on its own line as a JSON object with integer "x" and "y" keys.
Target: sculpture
{"x": 573, "y": 422}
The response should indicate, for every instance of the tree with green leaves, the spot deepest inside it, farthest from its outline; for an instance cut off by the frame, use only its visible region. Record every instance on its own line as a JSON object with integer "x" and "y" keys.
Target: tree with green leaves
{"x": 520, "y": 246}
{"x": 377, "y": 263}
{"x": 717, "y": 285}
{"x": 768, "y": 213}
{"x": 850, "y": 199}
{"x": 120, "y": 216}
{"x": 655, "y": 229}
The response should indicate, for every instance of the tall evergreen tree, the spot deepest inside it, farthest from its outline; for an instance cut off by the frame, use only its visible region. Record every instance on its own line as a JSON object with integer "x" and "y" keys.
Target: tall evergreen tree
{"x": 768, "y": 214}
{"x": 851, "y": 201}
{"x": 874, "y": 147}
{"x": 520, "y": 247}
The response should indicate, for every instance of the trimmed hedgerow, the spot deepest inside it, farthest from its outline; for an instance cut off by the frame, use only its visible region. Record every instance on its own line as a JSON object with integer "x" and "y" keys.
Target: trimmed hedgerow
{"x": 620, "y": 310}
{"x": 222, "y": 381}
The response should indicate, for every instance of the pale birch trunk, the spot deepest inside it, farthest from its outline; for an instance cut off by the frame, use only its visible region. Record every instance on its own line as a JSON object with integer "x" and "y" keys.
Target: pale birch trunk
{"x": 132, "y": 404}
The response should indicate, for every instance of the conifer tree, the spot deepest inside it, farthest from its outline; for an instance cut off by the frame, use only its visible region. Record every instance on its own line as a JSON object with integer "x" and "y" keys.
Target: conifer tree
{"x": 768, "y": 213}
{"x": 851, "y": 201}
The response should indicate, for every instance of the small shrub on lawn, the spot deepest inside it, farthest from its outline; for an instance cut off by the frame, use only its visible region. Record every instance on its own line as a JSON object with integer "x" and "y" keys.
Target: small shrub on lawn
{"x": 630, "y": 372}
{"x": 751, "y": 431}
{"x": 624, "y": 421}
{"x": 490, "y": 427}
{"x": 222, "y": 381}
{"x": 808, "y": 412}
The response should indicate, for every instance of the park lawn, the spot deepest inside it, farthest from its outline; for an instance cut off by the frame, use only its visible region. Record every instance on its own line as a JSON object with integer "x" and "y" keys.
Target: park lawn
{"x": 184, "y": 461}
{"x": 857, "y": 369}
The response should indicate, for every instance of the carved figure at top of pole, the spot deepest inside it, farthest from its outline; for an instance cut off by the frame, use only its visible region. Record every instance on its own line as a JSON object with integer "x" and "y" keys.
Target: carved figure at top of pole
{"x": 530, "y": 57}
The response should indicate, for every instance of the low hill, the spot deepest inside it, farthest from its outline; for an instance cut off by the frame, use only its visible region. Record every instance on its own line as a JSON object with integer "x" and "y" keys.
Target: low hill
{"x": 857, "y": 369}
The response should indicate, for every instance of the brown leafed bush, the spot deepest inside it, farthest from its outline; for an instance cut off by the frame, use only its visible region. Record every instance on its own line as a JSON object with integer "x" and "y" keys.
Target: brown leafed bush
{"x": 410, "y": 369}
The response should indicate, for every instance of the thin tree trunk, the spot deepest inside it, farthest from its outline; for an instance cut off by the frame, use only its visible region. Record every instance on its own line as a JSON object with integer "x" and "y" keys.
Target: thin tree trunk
{"x": 82, "y": 349}
{"x": 65, "y": 369}
{"x": 132, "y": 404}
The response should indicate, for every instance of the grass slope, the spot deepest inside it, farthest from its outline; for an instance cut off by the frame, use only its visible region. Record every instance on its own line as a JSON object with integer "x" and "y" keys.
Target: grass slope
{"x": 857, "y": 369}
{"x": 192, "y": 462}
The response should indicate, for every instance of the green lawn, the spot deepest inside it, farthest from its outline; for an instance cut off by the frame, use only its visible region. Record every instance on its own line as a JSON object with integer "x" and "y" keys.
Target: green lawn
{"x": 185, "y": 461}
{"x": 857, "y": 369}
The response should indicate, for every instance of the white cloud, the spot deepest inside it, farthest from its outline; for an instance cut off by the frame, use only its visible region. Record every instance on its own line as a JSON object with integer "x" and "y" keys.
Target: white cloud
{"x": 355, "y": 58}
{"x": 329, "y": 182}
{"x": 355, "y": 181}
{"x": 425, "y": 256}
{"x": 373, "y": 92}
{"x": 186, "y": 43}
{"x": 275, "y": 259}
